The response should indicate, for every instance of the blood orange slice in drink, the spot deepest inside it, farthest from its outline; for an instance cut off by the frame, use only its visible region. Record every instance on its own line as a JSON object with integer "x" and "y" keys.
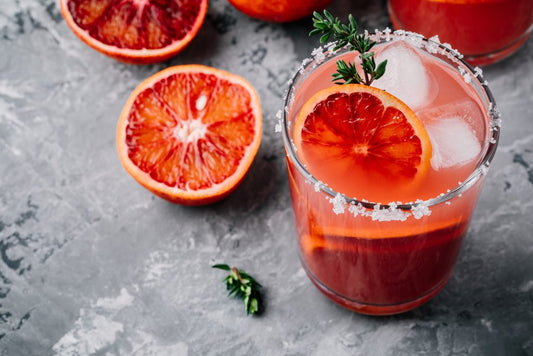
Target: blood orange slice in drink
{"x": 363, "y": 142}
{"x": 135, "y": 31}
{"x": 190, "y": 133}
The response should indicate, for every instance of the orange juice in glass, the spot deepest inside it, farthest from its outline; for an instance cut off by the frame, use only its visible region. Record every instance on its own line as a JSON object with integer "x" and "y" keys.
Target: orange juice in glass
{"x": 485, "y": 31}
{"x": 375, "y": 235}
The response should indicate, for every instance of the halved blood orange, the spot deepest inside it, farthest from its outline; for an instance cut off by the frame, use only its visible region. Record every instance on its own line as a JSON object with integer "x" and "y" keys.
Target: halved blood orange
{"x": 190, "y": 133}
{"x": 135, "y": 31}
{"x": 363, "y": 142}
{"x": 279, "y": 10}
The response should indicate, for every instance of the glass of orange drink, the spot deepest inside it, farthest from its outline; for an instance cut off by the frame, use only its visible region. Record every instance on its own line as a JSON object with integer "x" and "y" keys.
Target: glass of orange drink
{"x": 485, "y": 31}
{"x": 384, "y": 178}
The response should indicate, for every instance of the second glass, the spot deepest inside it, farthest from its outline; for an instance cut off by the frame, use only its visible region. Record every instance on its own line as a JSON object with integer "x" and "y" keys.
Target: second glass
{"x": 485, "y": 31}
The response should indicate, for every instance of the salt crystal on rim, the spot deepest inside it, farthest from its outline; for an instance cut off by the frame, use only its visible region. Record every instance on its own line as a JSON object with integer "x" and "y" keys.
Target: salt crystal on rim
{"x": 399, "y": 33}
{"x": 392, "y": 213}
{"x": 415, "y": 40}
{"x": 318, "y": 54}
{"x": 339, "y": 204}
{"x": 432, "y": 46}
{"x": 356, "y": 209}
{"x": 387, "y": 31}
{"x": 420, "y": 209}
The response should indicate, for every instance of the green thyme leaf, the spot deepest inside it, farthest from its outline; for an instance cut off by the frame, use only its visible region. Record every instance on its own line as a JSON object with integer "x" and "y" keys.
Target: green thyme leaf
{"x": 346, "y": 34}
{"x": 240, "y": 284}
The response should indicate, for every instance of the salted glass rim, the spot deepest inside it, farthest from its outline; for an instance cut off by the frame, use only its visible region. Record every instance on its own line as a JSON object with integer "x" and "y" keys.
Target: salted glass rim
{"x": 469, "y": 73}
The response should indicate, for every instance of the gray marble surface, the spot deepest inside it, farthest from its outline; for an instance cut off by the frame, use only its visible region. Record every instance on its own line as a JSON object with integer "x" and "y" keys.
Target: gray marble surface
{"x": 93, "y": 264}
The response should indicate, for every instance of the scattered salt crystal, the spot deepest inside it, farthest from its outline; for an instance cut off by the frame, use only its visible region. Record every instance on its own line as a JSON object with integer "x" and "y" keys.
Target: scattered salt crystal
{"x": 478, "y": 72}
{"x": 338, "y": 204}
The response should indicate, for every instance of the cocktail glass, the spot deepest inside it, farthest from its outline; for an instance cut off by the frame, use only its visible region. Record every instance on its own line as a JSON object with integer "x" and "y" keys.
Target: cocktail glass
{"x": 485, "y": 31}
{"x": 377, "y": 258}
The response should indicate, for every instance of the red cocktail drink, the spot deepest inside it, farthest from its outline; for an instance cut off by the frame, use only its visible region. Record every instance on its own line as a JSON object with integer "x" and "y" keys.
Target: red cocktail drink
{"x": 483, "y": 30}
{"x": 374, "y": 242}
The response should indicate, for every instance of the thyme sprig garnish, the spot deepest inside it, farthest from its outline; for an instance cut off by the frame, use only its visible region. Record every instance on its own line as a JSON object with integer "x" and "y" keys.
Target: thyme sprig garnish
{"x": 346, "y": 34}
{"x": 241, "y": 285}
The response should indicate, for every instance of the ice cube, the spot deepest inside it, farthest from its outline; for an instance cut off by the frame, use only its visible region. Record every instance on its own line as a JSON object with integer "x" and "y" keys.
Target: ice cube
{"x": 450, "y": 127}
{"x": 405, "y": 76}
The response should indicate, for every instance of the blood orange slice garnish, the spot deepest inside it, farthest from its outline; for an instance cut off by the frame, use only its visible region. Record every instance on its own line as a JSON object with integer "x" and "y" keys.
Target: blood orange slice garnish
{"x": 363, "y": 142}
{"x": 135, "y": 31}
{"x": 190, "y": 133}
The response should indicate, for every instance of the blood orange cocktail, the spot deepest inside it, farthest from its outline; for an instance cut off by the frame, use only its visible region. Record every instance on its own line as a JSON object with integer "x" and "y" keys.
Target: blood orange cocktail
{"x": 483, "y": 30}
{"x": 382, "y": 244}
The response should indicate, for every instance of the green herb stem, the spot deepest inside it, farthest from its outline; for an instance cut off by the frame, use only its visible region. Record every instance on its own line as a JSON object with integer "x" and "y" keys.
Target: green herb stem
{"x": 346, "y": 34}
{"x": 241, "y": 285}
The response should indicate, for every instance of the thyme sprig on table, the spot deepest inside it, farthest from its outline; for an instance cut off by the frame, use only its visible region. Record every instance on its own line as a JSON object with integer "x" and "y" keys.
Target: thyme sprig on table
{"x": 241, "y": 285}
{"x": 346, "y": 34}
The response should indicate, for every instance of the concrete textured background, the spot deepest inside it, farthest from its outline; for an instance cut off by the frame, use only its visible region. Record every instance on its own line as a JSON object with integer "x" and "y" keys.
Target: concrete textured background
{"x": 93, "y": 264}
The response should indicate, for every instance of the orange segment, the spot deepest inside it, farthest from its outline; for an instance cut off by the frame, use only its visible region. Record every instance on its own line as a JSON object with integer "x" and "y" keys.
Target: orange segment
{"x": 135, "y": 31}
{"x": 363, "y": 142}
{"x": 190, "y": 133}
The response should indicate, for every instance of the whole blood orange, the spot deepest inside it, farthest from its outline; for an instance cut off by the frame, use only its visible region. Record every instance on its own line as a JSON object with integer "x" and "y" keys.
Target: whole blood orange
{"x": 363, "y": 142}
{"x": 279, "y": 10}
{"x": 135, "y": 31}
{"x": 190, "y": 133}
